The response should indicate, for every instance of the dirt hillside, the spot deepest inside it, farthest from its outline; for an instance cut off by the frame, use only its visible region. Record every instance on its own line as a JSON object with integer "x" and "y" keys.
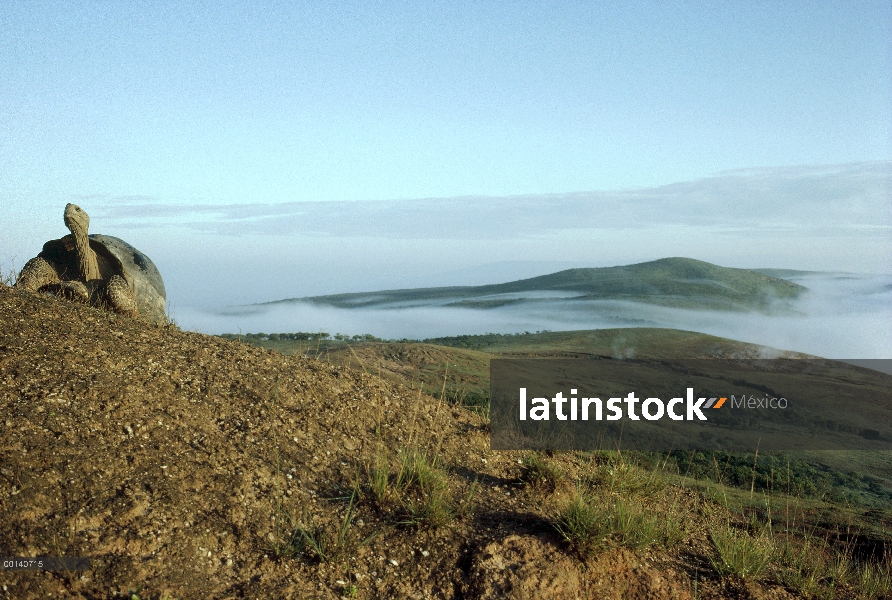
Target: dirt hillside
{"x": 187, "y": 466}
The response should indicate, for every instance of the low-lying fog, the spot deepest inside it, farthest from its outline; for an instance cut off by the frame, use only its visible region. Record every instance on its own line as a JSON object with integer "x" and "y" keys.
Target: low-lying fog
{"x": 842, "y": 316}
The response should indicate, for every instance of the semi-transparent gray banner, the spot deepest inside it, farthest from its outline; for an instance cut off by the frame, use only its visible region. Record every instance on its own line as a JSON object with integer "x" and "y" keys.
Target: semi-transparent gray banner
{"x": 700, "y": 404}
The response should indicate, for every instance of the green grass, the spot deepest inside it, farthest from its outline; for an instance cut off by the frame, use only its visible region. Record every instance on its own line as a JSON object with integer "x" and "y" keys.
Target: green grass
{"x": 795, "y": 541}
{"x": 539, "y": 471}
{"x": 803, "y": 562}
{"x": 413, "y": 489}
{"x": 432, "y": 507}
{"x": 740, "y": 554}
{"x": 424, "y": 364}
{"x": 853, "y": 478}
{"x": 322, "y": 542}
{"x": 620, "y": 502}
{"x": 614, "y": 506}
{"x": 874, "y": 580}
{"x": 379, "y": 479}
{"x": 641, "y": 342}
{"x": 811, "y": 498}
{"x": 612, "y": 471}
{"x": 426, "y": 496}
{"x": 591, "y": 523}
{"x": 808, "y": 565}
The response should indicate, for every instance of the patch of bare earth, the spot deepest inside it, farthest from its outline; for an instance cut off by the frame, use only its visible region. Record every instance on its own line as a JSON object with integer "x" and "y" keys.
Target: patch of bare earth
{"x": 187, "y": 466}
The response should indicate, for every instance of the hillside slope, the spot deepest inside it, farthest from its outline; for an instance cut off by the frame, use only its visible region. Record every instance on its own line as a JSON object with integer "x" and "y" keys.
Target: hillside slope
{"x": 187, "y": 466}
{"x": 682, "y": 282}
{"x": 164, "y": 455}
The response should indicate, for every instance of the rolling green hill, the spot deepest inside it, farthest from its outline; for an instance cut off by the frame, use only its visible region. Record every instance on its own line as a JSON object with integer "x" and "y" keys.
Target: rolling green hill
{"x": 681, "y": 282}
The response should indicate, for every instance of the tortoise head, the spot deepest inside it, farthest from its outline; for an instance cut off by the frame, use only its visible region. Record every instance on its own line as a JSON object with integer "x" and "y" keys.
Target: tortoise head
{"x": 76, "y": 220}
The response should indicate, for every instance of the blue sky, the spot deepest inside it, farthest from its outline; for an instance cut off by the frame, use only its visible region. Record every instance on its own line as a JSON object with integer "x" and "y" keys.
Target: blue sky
{"x": 280, "y": 102}
{"x": 194, "y": 130}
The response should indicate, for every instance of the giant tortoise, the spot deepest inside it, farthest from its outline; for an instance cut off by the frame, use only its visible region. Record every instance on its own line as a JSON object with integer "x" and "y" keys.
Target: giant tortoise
{"x": 100, "y": 270}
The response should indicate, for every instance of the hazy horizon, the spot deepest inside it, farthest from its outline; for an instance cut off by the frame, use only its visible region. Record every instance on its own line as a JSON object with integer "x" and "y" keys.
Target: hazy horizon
{"x": 838, "y": 317}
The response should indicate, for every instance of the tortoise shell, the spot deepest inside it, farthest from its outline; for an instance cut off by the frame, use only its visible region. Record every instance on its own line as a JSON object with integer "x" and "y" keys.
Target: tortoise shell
{"x": 139, "y": 271}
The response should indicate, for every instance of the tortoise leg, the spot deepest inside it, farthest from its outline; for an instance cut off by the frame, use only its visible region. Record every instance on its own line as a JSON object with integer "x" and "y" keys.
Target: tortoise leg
{"x": 121, "y": 298}
{"x": 75, "y": 290}
{"x": 36, "y": 274}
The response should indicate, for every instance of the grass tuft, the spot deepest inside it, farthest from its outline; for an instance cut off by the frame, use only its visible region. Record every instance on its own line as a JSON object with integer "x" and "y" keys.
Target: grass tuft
{"x": 540, "y": 471}
{"x": 421, "y": 470}
{"x": 417, "y": 485}
{"x": 8, "y": 275}
{"x": 426, "y": 495}
{"x": 433, "y": 507}
{"x": 620, "y": 476}
{"x": 592, "y": 523}
{"x": 320, "y": 542}
{"x": 739, "y": 553}
{"x": 874, "y": 580}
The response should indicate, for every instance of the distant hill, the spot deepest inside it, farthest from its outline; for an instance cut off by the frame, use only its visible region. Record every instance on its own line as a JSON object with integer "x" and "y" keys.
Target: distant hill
{"x": 681, "y": 282}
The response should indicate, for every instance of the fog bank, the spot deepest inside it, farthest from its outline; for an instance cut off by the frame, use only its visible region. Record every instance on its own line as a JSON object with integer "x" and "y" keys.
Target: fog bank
{"x": 842, "y": 316}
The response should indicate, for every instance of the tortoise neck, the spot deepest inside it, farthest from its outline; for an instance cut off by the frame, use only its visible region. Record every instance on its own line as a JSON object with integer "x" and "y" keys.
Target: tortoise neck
{"x": 89, "y": 266}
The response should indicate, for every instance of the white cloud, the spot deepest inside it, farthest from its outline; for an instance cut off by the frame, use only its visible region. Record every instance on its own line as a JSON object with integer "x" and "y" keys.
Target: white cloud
{"x": 845, "y": 199}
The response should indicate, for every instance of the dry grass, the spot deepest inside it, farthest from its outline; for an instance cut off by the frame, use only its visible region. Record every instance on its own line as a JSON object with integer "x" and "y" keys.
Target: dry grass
{"x": 8, "y": 276}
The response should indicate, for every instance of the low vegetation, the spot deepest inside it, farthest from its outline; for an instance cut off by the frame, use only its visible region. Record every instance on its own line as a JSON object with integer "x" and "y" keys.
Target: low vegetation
{"x": 619, "y": 504}
{"x": 592, "y": 523}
